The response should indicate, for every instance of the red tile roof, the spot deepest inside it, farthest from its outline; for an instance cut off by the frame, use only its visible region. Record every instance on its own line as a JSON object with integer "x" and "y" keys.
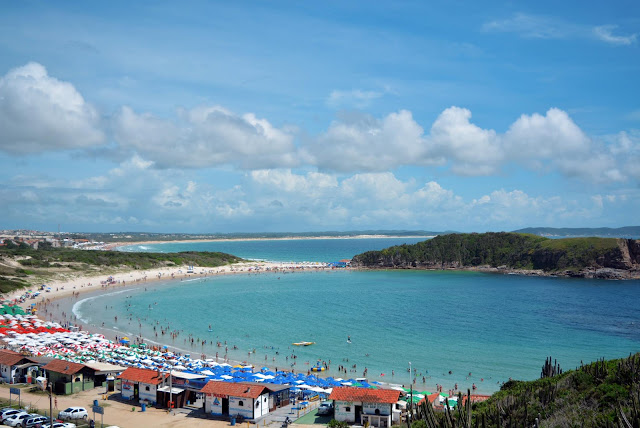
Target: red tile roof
{"x": 64, "y": 367}
{"x": 475, "y": 398}
{"x": 366, "y": 395}
{"x": 433, "y": 397}
{"x": 9, "y": 357}
{"x": 226, "y": 389}
{"x": 134, "y": 374}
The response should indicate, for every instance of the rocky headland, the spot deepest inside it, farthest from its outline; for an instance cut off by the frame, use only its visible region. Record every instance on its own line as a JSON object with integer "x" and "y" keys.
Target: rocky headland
{"x": 513, "y": 253}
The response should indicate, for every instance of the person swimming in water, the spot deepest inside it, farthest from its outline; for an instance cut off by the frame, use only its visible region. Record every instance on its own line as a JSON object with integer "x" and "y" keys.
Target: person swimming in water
{"x": 348, "y": 339}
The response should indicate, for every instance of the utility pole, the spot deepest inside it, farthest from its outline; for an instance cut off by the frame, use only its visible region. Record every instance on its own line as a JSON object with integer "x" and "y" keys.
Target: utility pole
{"x": 411, "y": 393}
{"x": 50, "y": 388}
{"x": 171, "y": 390}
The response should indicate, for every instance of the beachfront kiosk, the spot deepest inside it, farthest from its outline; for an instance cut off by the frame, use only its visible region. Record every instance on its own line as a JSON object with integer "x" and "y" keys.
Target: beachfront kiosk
{"x": 377, "y": 407}
{"x": 68, "y": 377}
{"x": 189, "y": 385}
{"x": 141, "y": 384}
{"x": 16, "y": 368}
{"x": 105, "y": 374}
{"x": 231, "y": 399}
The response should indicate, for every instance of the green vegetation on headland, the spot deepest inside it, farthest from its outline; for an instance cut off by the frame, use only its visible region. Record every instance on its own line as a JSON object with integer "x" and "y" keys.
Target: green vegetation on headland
{"x": 600, "y": 394}
{"x": 509, "y": 252}
{"x": 22, "y": 266}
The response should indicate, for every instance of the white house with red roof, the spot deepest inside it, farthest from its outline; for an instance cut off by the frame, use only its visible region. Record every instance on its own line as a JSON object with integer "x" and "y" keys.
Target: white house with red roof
{"x": 141, "y": 384}
{"x": 378, "y": 407}
{"x": 231, "y": 399}
{"x": 12, "y": 365}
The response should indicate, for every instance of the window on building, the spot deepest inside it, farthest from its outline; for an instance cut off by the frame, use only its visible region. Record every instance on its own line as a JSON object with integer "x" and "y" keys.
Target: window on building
{"x": 241, "y": 403}
{"x": 147, "y": 388}
{"x": 347, "y": 409}
{"x": 257, "y": 404}
{"x": 377, "y": 412}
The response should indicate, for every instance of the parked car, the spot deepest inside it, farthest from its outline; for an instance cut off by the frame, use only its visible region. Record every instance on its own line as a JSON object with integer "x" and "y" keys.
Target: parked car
{"x": 34, "y": 421}
{"x": 16, "y": 420}
{"x": 60, "y": 425}
{"x": 5, "y": 413}
{"x": 326, "y": 408}
{"x": 73, "y": 413}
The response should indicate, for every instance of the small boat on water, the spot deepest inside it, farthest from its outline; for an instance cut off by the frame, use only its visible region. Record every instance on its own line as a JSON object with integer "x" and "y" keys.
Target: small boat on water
{"x": 303, "y": 343}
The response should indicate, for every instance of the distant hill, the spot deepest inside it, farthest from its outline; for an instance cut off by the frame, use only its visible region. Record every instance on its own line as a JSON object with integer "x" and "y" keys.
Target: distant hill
{"x": 513, "y": 252}
{"x": 607, "y": 232}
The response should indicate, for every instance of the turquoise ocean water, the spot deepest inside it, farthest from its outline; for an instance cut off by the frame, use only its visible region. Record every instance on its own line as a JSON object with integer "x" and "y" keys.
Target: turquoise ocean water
{"x": 492, "y": 326}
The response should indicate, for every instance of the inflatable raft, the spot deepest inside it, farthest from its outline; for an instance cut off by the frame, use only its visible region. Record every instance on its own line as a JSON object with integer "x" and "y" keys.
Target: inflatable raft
{"x": 303, "y": 343}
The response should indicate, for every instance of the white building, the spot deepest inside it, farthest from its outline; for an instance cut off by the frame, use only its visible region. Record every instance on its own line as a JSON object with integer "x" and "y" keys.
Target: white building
{"x": 141, "y": 384}
{"x": 378, "y": 407}
{"x": 231, "y": 399}
{"x": 15, "y": 367}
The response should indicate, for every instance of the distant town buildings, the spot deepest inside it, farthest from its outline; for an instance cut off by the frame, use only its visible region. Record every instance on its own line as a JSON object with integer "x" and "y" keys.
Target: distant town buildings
{"x": 36, "y": 239}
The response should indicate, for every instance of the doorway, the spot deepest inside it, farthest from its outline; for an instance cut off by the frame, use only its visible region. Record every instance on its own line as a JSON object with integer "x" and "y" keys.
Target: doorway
{"x": 358, "y": 410}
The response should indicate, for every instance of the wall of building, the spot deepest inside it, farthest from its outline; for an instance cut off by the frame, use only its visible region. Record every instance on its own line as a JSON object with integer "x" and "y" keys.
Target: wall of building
{"x": 6, "y": 373}
{"x": 250, "y": 408}
{"x": 370, "y": 408}
{"x": 213, "y": 405}
{"x": 241, "y": 406}
{"x": 127, "y": 389}
{"x": 261, "y": 406}
{"x": 345, "y": 411}
{"x": 147, "y": 392}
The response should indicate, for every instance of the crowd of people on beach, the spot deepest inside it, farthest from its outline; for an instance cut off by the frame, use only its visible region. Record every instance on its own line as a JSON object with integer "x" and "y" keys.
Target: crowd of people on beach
{"x": 163, "y": 331}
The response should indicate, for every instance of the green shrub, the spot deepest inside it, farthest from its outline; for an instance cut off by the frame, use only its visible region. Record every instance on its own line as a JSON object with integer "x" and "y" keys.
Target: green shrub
{"x": 337, "y": 424}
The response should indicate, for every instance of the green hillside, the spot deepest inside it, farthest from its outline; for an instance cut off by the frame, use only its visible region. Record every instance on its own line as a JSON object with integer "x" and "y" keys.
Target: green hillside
{"x": 508, "y": 250}
{"x": 600, "y": 394}
{"x": 22, "y": 266}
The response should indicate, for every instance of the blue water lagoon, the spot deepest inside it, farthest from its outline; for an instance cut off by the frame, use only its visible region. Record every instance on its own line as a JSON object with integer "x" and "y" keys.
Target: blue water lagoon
{"x": 483, "y": 328}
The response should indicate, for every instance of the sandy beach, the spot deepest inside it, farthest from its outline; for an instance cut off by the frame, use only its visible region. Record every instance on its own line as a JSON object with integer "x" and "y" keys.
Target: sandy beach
{"x": 81, "y": 284}
{"x": 68, "y": 291}
{"x": 57, "y": 304}
{"x": 284, "y": 238}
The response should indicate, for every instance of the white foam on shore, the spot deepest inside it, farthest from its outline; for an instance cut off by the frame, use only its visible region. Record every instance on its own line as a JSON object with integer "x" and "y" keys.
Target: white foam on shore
{"x": 75, "y": 309}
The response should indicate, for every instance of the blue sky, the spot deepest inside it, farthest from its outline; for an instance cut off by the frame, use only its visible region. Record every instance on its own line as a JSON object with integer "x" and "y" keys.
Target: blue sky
{"x": 313, "y": 116}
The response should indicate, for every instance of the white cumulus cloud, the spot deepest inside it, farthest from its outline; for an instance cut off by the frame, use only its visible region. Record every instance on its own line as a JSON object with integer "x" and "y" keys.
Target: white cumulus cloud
{"x": 205, "y": 137}
{"x": 471, "y": 149}
{"x": 41, "y": 113}
{"x": 537, "y": 136}
{"x": 359, "y": 142}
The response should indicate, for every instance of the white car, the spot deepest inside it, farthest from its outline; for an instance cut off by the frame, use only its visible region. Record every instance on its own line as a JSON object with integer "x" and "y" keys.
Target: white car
{"x": 326, "y": 408}
{"x": 73, "y": 413}
{"x": 6, "y": 413}
{"x": 34, "y": 421}
{"x": 60, "y": 425}
{"x": 15, "y": 420}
